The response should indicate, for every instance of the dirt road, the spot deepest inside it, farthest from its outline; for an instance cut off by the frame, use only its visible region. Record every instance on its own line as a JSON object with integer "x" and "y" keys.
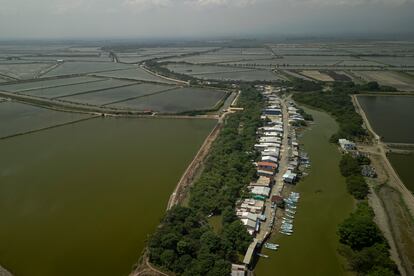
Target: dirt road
{"x": 391, "y": 201}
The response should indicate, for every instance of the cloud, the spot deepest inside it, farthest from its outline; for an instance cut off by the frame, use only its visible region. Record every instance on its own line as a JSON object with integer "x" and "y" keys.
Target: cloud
{"x": 234, "y": 3}
{"x": 147, "y": 4}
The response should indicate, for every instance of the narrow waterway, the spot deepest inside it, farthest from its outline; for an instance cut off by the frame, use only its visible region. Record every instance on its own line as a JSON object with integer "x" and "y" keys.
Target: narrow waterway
{"x": 324, "y": 203}
{"x": 82, "y": 199}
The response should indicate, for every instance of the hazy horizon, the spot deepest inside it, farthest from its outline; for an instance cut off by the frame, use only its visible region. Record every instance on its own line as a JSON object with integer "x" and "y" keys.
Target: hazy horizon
{"x": 110, "y": 19}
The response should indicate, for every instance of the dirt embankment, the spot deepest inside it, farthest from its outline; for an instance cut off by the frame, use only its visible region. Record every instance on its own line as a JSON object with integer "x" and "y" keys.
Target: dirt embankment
{"x": 391, "y": 201}
{"x": 4, "y": 272}
{"x": 193, "y": 169}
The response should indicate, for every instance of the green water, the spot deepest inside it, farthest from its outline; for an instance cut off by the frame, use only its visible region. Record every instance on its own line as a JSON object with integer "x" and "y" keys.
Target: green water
{"x": 82, "y": 199}
{"x": 403, "y": 164}
{"x": 324, "y": 203}
{"x": 390, "y": 116}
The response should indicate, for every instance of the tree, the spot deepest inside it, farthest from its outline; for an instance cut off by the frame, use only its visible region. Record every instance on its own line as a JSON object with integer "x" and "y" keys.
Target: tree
{"x": 373, "y": 259}
{"x": 357, "y": 186}
{"x": 228, "y": 215}
{"x": 359, "y": 231}
{"x": 349, "y": 166}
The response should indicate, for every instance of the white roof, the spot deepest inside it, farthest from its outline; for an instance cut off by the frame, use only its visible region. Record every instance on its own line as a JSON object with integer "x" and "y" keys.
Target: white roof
{"x": 260, "y": 190}
{"x": 269, "y": 159}
{"x": 249, "y": 223}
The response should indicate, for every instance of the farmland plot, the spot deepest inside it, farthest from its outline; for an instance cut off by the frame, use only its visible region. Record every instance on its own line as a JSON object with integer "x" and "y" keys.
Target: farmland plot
{"x": 20, "y": 118}
{"x": 217, "y": 57}
{"x": 80, "y": 58}
{"x": 175, "y": 101}
{"x": 24, "y": 70}
{"x": 252, "y": 75}
{"x": 394, "y": 61}
{"x": 135, "y": 74}
{"x": 317, "y": 75}
{"x": 69, "y": 68}
{"x": 62, "y": 91}
{"x": 23, "y": 86}
{"x": 190, "y": 69}
{"x": 401, "y": 81}
{"x": 117, "y": 95}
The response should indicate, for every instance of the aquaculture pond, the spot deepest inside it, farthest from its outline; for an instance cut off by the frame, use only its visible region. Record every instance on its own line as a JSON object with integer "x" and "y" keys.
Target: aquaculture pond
{"x": 82, "y": 199}
{"x": 17, "y": 118}
{"x": 403, "y": 165}
{"x": 390, "y": 116}
{"x": 324, "y": 203}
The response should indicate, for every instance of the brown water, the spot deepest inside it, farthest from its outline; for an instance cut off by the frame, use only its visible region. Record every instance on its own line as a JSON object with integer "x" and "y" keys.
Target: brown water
{"x": 83, "y": 198}
{"x": 390, "y": 116}
{"x": 404, "y": 164}
{"x": 324, "y": 203}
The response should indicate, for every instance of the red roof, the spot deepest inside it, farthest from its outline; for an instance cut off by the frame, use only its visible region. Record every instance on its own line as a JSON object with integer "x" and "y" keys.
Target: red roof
{"x": 267, "y": 164}
{"x": 277, "y": 198}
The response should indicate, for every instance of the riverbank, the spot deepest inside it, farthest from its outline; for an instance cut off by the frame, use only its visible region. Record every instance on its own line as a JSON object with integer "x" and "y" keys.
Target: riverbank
{"x": 4, "y": 272}
{"x": 193, "y": 169}
{"x": 324, "y": 204}
{"x": 391, "y": 200}
{"x": 378, "y": 147}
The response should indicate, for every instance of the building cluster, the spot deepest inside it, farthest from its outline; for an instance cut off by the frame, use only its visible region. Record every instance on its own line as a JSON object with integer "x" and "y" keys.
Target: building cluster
{"x": 350, "y": 147}
{"x": 269, "y": 143}
{"x": 346, "y": 145}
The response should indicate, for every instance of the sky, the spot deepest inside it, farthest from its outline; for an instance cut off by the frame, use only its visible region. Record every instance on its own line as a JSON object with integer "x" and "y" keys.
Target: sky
{"x": 38, "y": 19}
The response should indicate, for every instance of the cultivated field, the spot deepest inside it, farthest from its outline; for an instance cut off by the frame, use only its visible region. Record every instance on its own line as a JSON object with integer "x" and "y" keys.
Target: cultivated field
{"x": 117, "y": 95}
{"x": 62, "y": 91}
{"x": 22, "y": 86}
{"x": 317, "y": 75}
{"x": 17, "y": 118}
{"x": 24, "y": 70}
{"x": 175, "y": 101}
{"x": 399, "y": 80}
{"x": 253, "y": 75}
{"x": 135, "y": 74}
{"x": 70, "y": 68}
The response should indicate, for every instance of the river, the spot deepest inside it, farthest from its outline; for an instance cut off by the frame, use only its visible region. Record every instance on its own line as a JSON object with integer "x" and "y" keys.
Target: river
{"x": 82, "y": 199}
{"x": 324, "y": 203}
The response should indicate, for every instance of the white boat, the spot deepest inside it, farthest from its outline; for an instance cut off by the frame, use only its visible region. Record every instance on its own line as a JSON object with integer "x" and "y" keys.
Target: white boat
{"x": 262, "y": 255}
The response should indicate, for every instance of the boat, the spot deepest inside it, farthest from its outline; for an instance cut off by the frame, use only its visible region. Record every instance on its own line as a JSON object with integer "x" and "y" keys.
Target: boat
{"x": 262, "y": 255}
{"x": 271, "y": 246}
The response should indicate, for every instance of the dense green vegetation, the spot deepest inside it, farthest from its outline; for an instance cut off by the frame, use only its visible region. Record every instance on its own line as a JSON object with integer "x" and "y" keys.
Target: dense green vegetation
{"x": 374, "y": 86}
{"x": 355, "y": 182}
{"x": 306, "y": 86}
{"x": 185, "y": 243}
{"x": 364, "y": 245}
{"x": 338, "y": 103}
{"x": 362, "y": 242}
